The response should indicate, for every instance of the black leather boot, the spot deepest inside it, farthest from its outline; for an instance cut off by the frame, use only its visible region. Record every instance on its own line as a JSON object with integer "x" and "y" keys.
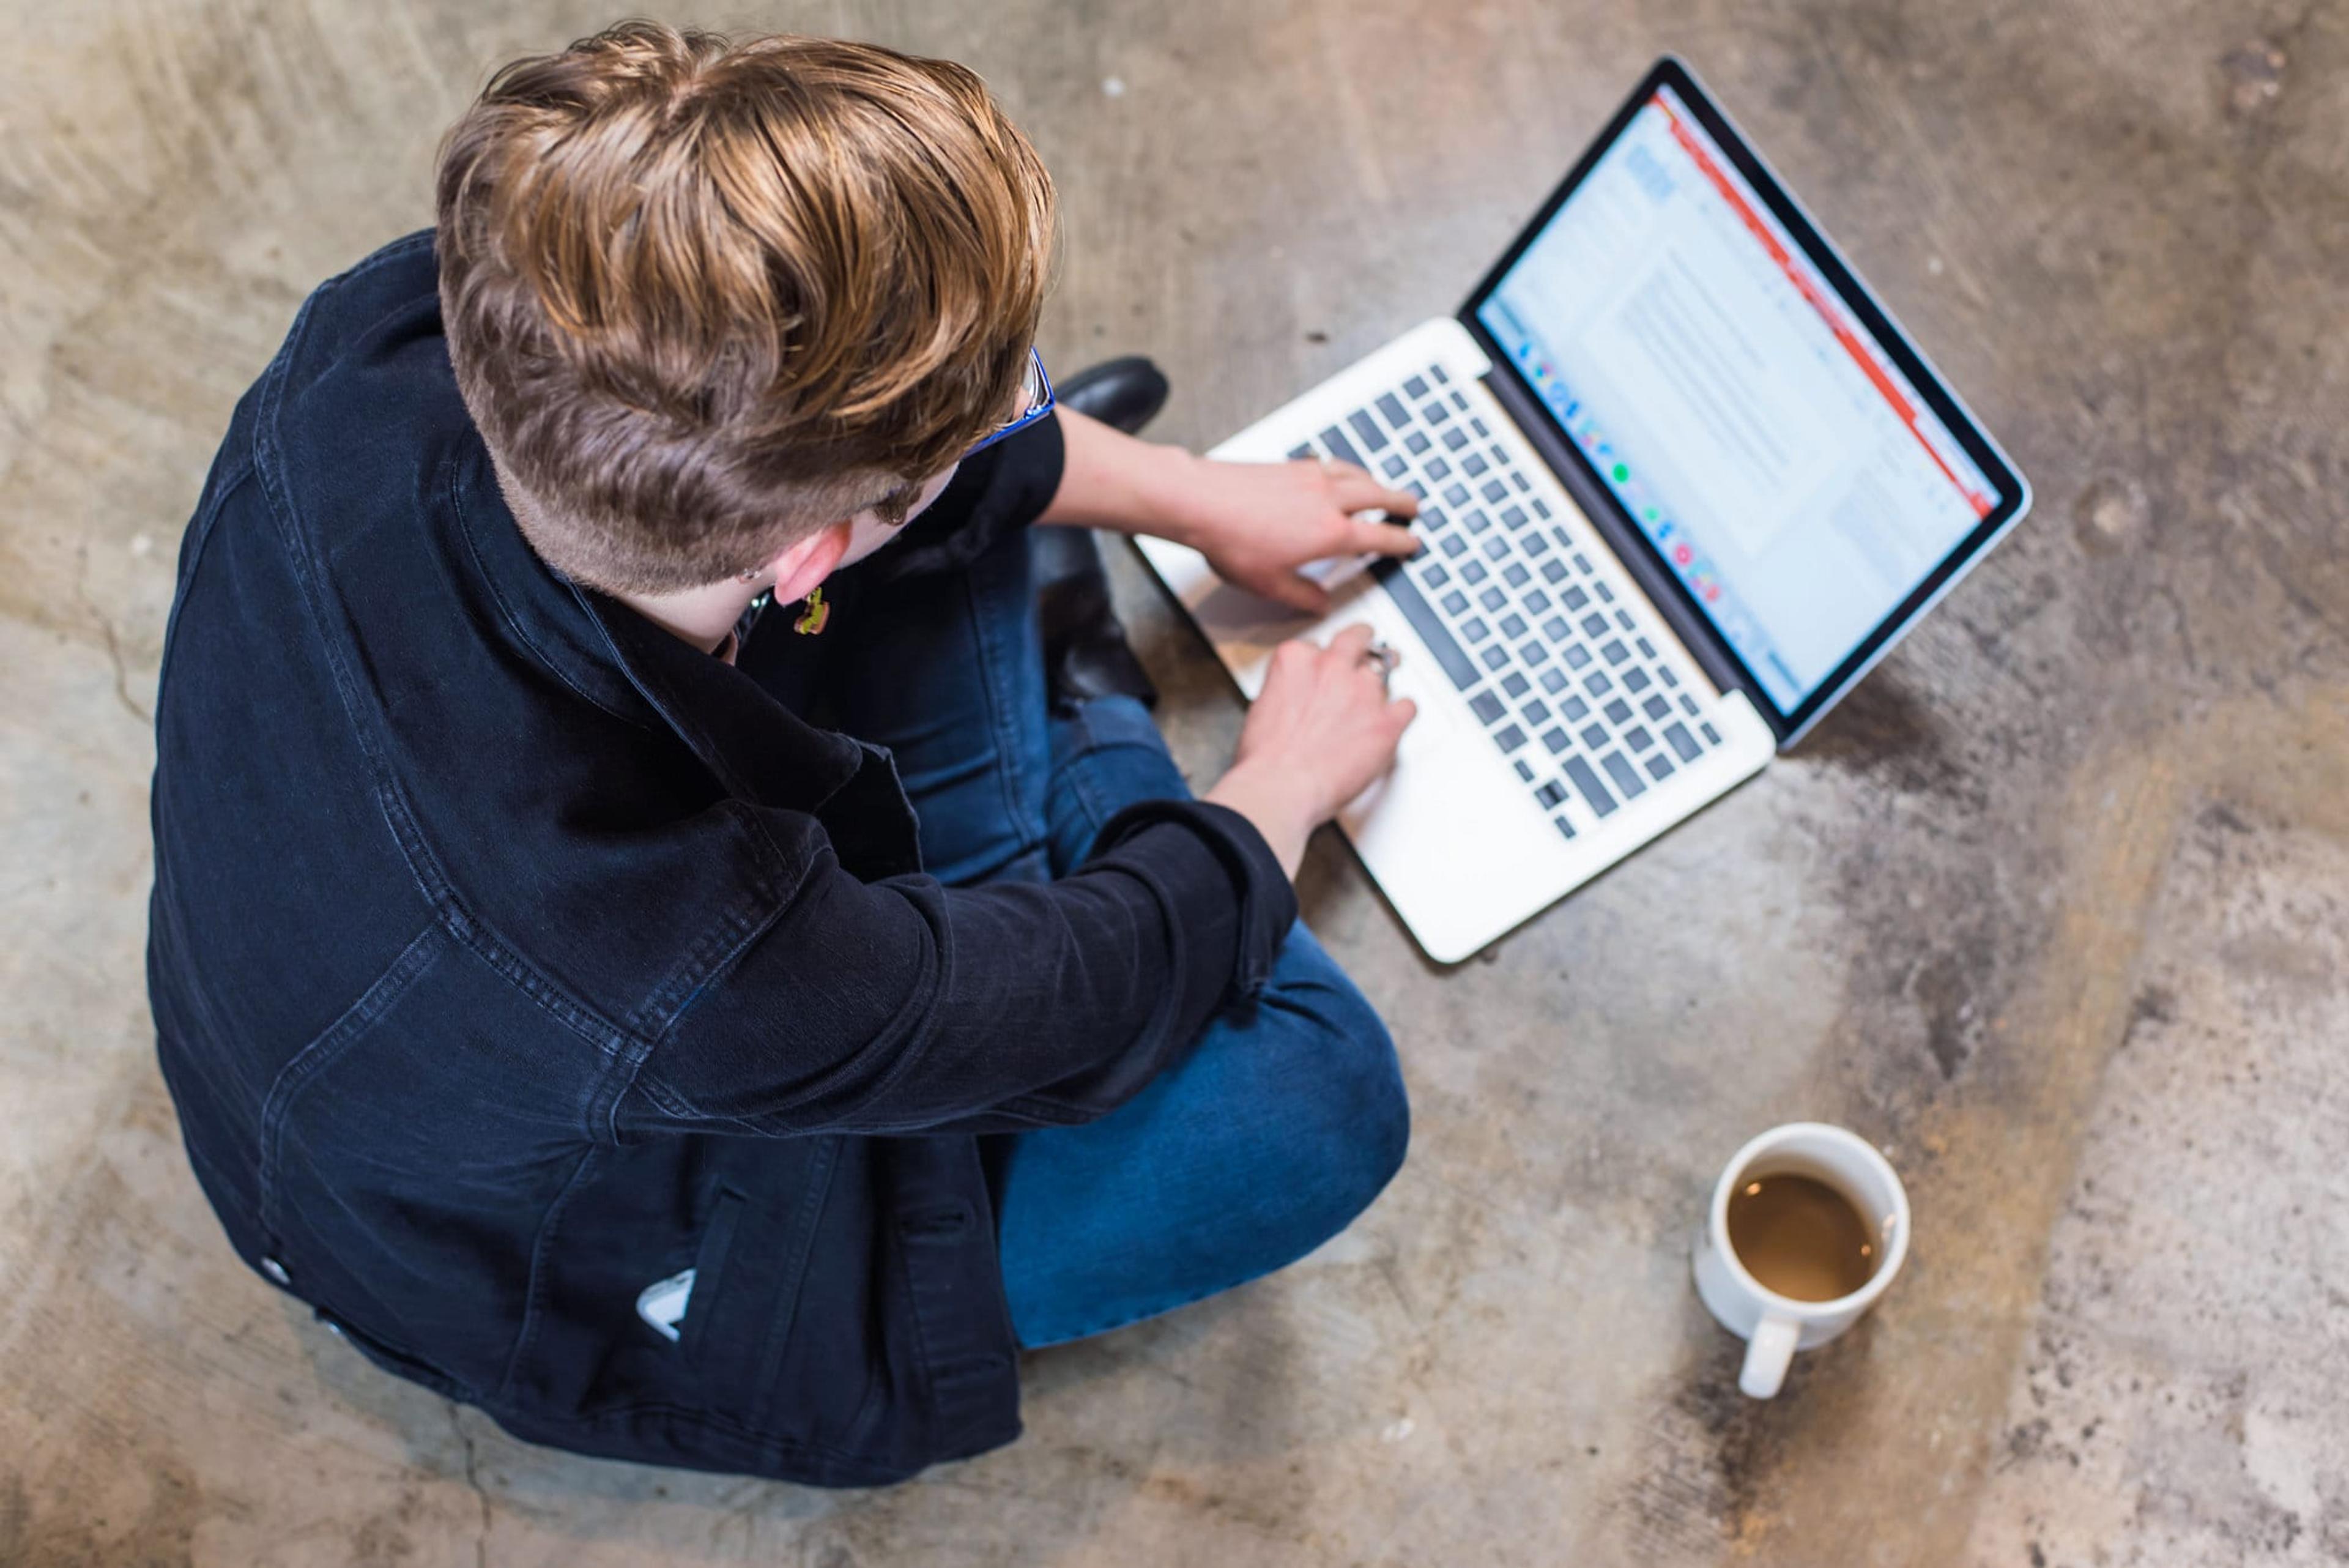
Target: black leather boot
{"x": 1085, "y": 650}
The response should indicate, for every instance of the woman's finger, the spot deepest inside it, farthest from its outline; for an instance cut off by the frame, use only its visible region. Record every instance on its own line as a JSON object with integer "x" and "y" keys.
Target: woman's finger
{"x": 1352, "y": 641}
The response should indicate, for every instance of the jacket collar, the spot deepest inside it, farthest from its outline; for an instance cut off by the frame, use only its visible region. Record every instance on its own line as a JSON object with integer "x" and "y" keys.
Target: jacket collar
{"x": 759, "y": 750}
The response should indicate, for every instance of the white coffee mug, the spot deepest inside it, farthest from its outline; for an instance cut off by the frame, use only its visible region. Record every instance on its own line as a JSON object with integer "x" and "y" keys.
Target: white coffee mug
{"x": 1775, "y": 1327}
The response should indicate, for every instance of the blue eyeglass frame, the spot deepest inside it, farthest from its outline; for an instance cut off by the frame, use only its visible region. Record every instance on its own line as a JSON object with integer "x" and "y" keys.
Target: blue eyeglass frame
{"x": 1036, "y": 411}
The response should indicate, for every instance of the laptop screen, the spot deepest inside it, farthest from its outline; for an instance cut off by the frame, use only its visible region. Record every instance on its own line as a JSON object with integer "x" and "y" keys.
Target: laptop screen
{"x": 1751, "y": 426}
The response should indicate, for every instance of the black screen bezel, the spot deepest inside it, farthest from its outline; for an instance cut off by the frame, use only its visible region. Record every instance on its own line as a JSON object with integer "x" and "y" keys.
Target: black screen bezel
{"x": 2006, "y": 484}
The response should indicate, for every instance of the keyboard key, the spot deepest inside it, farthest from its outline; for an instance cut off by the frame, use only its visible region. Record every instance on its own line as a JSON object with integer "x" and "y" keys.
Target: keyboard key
{"x": 1475, "y": 521}
{"x": 1535, "y": 711}
{"x": 1563, "y": 826}
{"x": 1393, "y": 466}
{"x": 1647, "y": 649}
{"x": 1597, "y": 683}
{"x": 1456, "y": 438}
{"x": 1664, "y": 673}
{"x": 1594, "y": 736}
{"x": 1550, "y": 794}
{"x": 1416, "y": 387}
{"x": 1435, "y": 414}
{"x": 1574, "y": 598}
{"x": 1577, "y": 655}
{"x": 1298, "y": 452}
{"x": 1533, "y": 653}
{"x": 1557, "y": 740}
{"x": 1367, "y": 427}
{"x": 1635, "y": 679}
{"x": 1541, "y": 509}
{"x": 1514, "y": 517}
{"x": 1474, "y": 464}
{"x": 1515, "y": 685}
{"x": 1340, "y": 447}
{"x": 1455, "y": 494}
{"x": 1495, "y": 657}
{"x": 1582, "y": 563}
{"x": 1556, "y": 629}
{"x": 1638, "y": 738}
{"x": 1659, "y": 767}
{"x": 1434, "y": 576}
{"x": 1455, "y": 603}
{"x": 1618, "y": 712}
{"x": 1683, "y": 741}
{"x": 1525, "y": 769}
{"x": 1574, "y": 708}
{"x": 1554, "y": 682}
{"x": 1474, "y": 629}
{"x": 1452, "y": 544}
{"x": 1536, "y": 601}
{"x": 1437, "y": 371}
{"x": 1712, "y": 736}
{"x": 1512, "y": 624}
{"x": 1517, "y": 577}
{"x": 1471, "y": 572}
{"x": 1623, "y": 619}
{"x": 1433, "y": 518}
{"x": 1593, "y": 792}
{"x": 1656, "y": 708}
{"x": 1520, "y": 481}
{"x": 1493, "y": 598}
{"x": 1474, "y": 423}
{"x": 1614, "y": 652}
{"x": 1495, "y": 491}
{"x": 1416, "y": 442}
{"x": 1496, "y": 547}
{"x": 1424, "y": 622}
{"x": 1438, "y": 469}
{"x": 1417, "y": 489}
{"x": 1487, "y": 707}
{"x": 1594, "y": 625}
{"x": 1509, "y": 737}
{"x": 1552, "y": 571}
{"x": 1688, "y": 705}
{"x": 1627, "y": 777}
{"x": 1391, "y": 406}
{"x": 1535, "y": 545}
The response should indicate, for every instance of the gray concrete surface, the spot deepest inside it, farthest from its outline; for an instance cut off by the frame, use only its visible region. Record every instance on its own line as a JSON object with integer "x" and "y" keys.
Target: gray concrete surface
{"x": 2053, "y": 909}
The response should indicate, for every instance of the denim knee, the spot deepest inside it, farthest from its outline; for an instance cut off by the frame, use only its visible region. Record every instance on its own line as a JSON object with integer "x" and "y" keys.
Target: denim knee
{"x": 1352, "y": 1128}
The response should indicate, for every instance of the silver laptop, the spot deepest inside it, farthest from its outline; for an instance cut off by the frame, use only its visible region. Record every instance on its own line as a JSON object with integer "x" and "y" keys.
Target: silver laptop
{"x": 1683, "y": 483}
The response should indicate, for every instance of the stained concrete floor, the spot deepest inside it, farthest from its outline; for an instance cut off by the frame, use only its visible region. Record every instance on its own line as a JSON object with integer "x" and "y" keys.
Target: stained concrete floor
{"x": 2053, "y": 908}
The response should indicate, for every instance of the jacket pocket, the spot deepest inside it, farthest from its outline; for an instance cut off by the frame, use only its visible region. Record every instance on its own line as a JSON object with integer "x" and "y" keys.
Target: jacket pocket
{"x": 710, "y": 1261}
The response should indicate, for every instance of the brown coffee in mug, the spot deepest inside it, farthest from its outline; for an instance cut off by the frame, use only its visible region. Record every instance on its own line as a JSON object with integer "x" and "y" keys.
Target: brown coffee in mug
{"x": 1800, "y": 1237}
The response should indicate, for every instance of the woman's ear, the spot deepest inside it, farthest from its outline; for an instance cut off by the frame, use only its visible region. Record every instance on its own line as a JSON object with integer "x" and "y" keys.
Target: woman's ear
{"x": 806, "y": 564}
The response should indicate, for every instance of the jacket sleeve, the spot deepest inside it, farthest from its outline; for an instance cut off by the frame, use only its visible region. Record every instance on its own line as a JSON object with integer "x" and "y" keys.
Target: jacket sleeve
{"x": 903, "y": 1006}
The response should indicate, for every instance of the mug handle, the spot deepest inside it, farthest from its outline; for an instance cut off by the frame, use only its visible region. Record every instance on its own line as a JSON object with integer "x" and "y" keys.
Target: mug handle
{"x": 1767, "y": 1356}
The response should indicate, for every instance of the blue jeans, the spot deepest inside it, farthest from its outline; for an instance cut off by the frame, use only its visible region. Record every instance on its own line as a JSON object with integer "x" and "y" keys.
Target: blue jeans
{"x": 1279, "y": 1126}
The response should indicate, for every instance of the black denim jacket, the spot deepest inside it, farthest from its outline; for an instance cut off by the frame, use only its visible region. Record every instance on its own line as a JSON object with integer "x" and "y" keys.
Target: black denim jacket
{"x": 509, "y": 956}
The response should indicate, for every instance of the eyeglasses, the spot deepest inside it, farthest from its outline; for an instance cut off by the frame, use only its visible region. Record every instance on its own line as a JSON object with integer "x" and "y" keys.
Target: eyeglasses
{"x": 1035, "y": 402}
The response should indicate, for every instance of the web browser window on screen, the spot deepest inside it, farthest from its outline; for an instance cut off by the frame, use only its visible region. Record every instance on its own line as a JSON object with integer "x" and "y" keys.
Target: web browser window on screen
{"x": 1790, "y": 474}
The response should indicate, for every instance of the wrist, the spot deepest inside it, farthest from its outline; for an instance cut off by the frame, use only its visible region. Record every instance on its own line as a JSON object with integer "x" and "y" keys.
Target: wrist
{"x": 1168, "y": 492}
{"x": 1273, "y": 805}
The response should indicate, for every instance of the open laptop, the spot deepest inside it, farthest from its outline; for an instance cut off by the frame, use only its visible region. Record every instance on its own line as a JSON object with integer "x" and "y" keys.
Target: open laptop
{"x": 1682, "y": 481}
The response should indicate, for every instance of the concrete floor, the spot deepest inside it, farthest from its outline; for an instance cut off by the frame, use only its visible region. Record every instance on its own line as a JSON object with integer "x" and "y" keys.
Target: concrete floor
{"x": 2053, "y": 908}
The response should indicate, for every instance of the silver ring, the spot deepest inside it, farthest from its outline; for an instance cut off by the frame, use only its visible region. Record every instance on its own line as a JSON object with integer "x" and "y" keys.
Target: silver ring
{"x": 1384, "y": 657}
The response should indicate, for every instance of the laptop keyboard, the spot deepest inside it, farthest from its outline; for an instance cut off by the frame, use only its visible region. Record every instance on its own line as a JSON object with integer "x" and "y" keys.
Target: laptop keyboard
{"x": 1568, "y": 686}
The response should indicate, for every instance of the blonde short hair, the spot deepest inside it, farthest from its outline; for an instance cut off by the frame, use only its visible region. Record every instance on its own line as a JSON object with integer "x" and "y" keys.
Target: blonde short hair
{"x": 705, "y": 297}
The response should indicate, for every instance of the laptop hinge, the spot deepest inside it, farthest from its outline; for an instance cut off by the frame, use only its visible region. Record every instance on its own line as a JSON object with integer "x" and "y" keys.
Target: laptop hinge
{"x": 1606, "y": 514}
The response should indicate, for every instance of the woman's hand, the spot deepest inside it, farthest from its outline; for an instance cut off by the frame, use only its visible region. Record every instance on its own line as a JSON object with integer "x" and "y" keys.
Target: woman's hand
{"x": 1257, "y": 523}
{"x": 1320, "y": 731}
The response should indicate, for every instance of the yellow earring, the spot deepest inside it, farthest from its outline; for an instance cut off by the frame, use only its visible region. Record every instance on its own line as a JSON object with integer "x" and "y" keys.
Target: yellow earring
{"x": 813, "y": 613}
